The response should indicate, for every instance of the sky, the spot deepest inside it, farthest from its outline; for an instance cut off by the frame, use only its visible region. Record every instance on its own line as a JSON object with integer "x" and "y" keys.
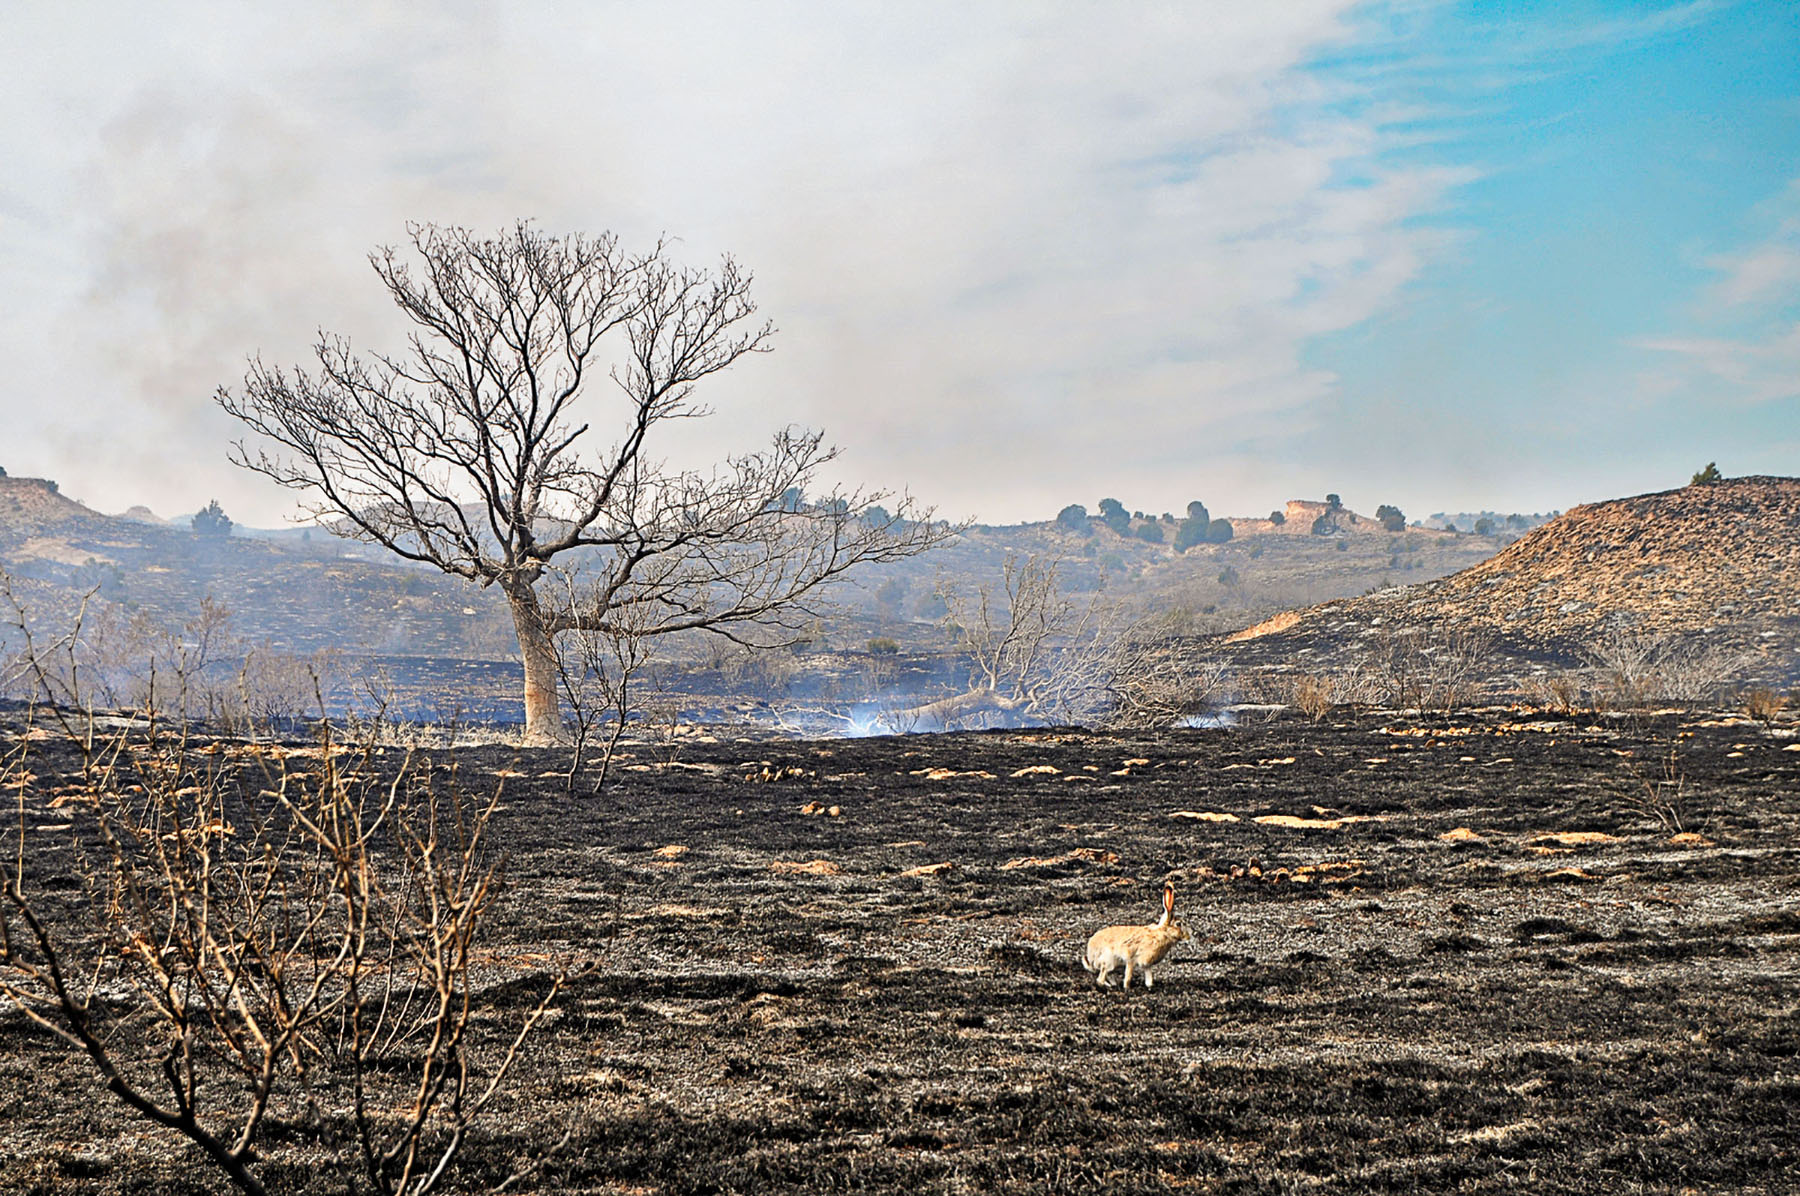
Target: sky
{"x": 1451, "y": 257}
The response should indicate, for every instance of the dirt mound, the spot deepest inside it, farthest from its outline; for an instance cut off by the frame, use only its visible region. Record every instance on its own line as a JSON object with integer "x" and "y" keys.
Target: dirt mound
{"x": 1720, "y": 561}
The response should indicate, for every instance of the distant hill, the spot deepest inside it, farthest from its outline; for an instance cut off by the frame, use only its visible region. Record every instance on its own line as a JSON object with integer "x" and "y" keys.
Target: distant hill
{"x": 34, "y": 505}
{"x": 302, "y": 590}
{"x": 298, "y": 593}
{"x": 1718, "y": 564}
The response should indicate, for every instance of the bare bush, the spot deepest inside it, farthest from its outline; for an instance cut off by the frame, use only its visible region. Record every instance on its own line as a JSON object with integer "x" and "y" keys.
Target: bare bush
{"x": 246, "y": 931}
{"x": 1430, "y": 667}
{"x": 1318, "y": 694}
{"x": 103, "y": 658}
{"x": 1658, "y": 791}
{"x": 1313, "y": 695}
{"x": 1764, "y": 704}
{"x": 1155, "y": 680}
{"x": 1637, "y": 668}
{"x": 1035, "y": 654}
{"x": 596, "y": 669}
{"x": 1559, "y": 692}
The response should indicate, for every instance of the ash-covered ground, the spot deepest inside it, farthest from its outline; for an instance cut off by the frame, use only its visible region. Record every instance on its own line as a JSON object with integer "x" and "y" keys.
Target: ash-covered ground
{"x": 1491, "y": 951}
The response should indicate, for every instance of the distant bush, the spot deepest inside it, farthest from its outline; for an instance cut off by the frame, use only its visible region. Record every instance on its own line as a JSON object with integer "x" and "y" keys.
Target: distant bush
{"x": 1391, "y": 517}
{"x": 1074, "y": 518}
{"x": 212, "y": 521}
{"x": 1484, "y": 527}
{"x": 1324, "y": 525}
{"x": 1219, "y": 531}
{"x": 1190, "y": 533}
{"x": 1277, "y": 517}
{"x": 1197, "y": 510}
{"x": 881, "y": 645}
{"x": 1228, "y": 576}
{"x": 1151, "y": 533}
{"x": 1115, "y": 516}
{"x": 1708, "y": 476}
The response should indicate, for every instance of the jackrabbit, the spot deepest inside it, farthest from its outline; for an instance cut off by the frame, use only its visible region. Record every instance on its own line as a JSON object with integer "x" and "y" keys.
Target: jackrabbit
{"x": 1137, "y": 947}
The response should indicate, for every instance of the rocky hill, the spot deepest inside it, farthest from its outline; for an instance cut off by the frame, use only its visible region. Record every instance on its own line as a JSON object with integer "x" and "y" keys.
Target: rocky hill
{"x": 1714, "y": 564}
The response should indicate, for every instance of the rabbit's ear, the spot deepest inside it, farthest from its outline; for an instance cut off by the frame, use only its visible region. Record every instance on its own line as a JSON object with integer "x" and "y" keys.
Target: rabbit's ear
{"x": 1168, "y": 900}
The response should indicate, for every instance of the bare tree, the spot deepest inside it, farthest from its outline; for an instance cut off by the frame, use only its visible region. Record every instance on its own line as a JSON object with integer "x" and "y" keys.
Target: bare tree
{"x": 1035, "y": 653}
{"x": 468, "y": 451}
{"x": 1012, "y": 638}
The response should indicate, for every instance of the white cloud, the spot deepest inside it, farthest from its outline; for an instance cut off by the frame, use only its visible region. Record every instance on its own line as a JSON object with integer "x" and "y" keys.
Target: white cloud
{"x": 1016, "y": 254}
{"x": 1758, "y": 292}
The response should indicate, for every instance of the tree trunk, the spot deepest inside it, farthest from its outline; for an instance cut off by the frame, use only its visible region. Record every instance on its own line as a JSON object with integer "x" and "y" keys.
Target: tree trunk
{"x": 944, "y": 711}
{"x": 543, "y": 711}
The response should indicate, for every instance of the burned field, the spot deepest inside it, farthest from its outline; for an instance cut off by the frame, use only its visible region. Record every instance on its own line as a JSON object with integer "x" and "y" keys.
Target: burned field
{"x": 1492, "y": 951}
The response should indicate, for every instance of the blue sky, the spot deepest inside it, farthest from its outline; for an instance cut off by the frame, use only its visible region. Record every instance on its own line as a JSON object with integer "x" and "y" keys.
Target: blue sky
{"x": 1448, "y": 256}
{"x": 1628, "y": 162}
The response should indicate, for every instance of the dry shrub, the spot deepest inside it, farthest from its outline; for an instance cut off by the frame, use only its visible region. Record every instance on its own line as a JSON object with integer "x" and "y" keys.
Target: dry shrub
{"x": 1313, "y": 695}
{"x": 246, "y": 934}
{"x": 1764, "y": 704}
{"x": 1561, "y": 693}
{"x": 1639, "y": 668}
{"x": 1435, "y": 666}
{"x": 1658, "y": 790}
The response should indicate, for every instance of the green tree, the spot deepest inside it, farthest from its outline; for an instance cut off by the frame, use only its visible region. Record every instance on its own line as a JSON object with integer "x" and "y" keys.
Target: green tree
{"x": 1115, "y": 516}
{"x": 1278, "y": 517}
{"x": 1708, "y": 476}
{"x": 1484, "y": 527}
{"x": 212, "y": 520}
{"x": 1219, "y": 531}
{"x": 1391, "y": 518}
{"x": 1151, "y": 533}
{"x": 1074, "y": 518}
{"x": 1197, "y": 510}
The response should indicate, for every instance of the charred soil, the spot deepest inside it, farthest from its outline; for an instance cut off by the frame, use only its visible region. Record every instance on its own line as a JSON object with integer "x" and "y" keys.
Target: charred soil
{"x": 1483, "y": 952}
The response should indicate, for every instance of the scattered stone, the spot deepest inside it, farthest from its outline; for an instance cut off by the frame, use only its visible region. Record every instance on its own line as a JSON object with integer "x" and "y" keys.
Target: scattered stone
{"x": 808, "y": 868}
{"x": 1090, "y": 855}
{"x": 1576, "y": 838}
{"x": 1293, "y": 822}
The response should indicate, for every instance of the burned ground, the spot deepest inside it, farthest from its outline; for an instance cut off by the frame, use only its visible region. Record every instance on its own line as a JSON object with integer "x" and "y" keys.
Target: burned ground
{"x": 1478, "y": 953}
